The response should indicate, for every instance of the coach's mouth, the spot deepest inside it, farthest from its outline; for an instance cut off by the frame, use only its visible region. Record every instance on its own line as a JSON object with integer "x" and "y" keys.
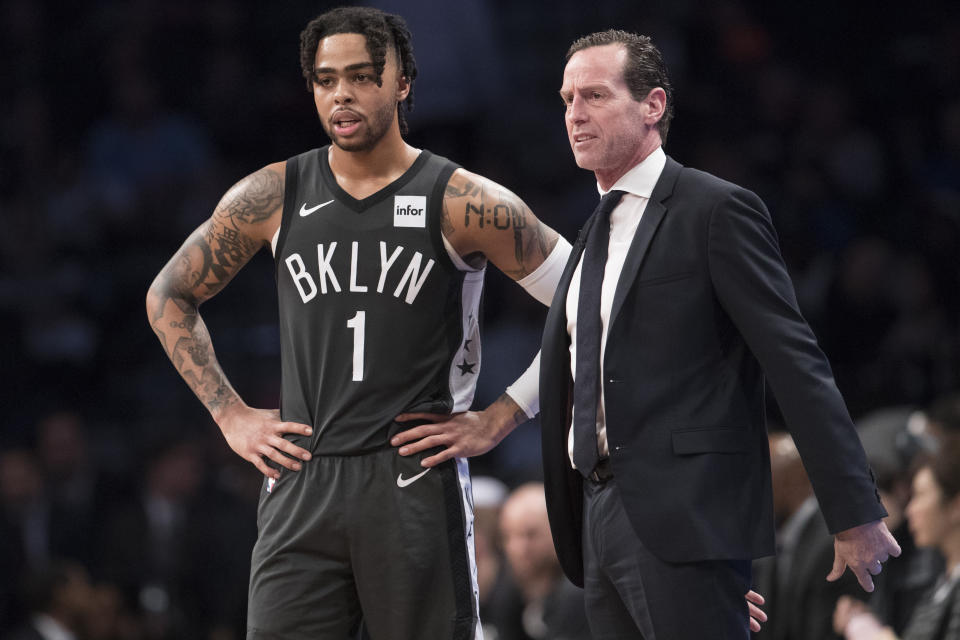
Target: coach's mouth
{"x": 581, "y": 138}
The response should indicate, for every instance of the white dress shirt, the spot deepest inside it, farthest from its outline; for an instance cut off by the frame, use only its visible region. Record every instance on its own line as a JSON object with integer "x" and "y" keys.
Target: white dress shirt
{"x": 638, "y": 184}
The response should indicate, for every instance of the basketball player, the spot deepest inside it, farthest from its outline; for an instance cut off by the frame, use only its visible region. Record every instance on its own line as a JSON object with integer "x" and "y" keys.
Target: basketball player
{"x": 380, "y": 250}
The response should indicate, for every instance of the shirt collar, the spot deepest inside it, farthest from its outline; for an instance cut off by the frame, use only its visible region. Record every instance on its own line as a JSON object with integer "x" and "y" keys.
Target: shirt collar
{"x": 642, "y": 177}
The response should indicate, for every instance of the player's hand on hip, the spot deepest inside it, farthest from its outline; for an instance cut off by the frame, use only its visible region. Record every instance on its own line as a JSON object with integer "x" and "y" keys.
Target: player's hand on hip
{"x": 460, "y": 434}
{"x": 255, "y": 434}
{"x": 754, "y": 600}
{"x": 864, "y": 549}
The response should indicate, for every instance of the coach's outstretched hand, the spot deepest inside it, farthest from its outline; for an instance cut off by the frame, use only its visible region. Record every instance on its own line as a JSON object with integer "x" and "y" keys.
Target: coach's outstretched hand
{"x": 461, "y": 434}
{"x": 864, "y": 549}
{"x": 257, "y": 433}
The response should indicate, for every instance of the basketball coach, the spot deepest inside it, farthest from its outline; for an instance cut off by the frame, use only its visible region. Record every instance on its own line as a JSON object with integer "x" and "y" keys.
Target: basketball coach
{"x": 673, "y": 309}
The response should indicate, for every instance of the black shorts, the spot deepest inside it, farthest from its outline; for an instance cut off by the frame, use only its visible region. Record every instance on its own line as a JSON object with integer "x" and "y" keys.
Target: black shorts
{"x": 369, "y": 546}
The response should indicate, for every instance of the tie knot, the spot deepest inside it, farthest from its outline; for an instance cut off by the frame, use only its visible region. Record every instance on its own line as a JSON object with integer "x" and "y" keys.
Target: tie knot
{"x": 609, "y": 201}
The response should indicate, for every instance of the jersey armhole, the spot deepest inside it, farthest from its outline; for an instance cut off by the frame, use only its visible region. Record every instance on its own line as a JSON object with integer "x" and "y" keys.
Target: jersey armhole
{"x": 291, "y": 181}
{"x": 435, "y": 214}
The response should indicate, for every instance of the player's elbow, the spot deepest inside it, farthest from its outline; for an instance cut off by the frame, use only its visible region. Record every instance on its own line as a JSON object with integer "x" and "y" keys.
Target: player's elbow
{"x": 154, "y": 299}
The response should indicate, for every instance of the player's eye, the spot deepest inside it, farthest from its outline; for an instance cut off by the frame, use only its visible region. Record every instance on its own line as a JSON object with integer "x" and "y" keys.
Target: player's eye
{"x": 323, "y": 81}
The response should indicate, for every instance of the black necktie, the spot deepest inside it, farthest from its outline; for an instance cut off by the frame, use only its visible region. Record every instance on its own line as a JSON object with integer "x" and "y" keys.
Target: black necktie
{"x": 586, "y": 395}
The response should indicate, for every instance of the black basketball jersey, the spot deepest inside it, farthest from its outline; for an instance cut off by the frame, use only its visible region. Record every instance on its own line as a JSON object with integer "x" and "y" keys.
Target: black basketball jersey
{"x": 375, "y": 319}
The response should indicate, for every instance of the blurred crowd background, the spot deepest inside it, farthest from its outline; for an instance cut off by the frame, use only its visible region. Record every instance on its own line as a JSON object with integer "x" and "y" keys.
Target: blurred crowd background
{"x": 122, "y": 123}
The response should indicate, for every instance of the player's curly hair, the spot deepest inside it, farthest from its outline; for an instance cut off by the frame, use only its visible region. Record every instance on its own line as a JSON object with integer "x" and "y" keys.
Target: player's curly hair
{"x": 380, "y": 29}
{"x": 643, "y": 70}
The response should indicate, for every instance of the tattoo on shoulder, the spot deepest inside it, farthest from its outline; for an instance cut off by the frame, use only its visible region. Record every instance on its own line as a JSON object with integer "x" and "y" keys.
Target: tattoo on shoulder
{"x": 255, "y": 198}
{"x": 458, "y": 187}
{"x": 461, "y": 187}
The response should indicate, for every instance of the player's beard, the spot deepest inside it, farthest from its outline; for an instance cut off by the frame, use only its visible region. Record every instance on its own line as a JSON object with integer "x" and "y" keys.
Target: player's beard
{"x": 377, "y": 125}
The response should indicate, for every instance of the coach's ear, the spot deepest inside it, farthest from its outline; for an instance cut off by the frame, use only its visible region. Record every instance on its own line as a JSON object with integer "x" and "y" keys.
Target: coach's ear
{"x": 654, "y": 105}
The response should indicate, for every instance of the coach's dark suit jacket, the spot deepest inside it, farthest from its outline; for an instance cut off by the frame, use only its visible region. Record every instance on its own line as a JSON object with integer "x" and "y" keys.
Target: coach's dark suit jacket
{"x": 703, "y": 308}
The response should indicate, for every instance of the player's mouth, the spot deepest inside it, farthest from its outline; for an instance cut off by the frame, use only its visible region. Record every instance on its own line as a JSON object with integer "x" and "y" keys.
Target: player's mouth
{"x": 345, "y": 122}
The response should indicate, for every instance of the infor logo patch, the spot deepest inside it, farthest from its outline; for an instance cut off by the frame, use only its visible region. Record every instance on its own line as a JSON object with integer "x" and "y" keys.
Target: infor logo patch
{"x": 410, "y": 211}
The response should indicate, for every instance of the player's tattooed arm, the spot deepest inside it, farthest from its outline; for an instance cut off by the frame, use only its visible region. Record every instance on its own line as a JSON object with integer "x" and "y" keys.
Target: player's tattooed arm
{"x": 483, "y": 219}
{"x": 241, "y": 224}
{"x": 244, "y": 222}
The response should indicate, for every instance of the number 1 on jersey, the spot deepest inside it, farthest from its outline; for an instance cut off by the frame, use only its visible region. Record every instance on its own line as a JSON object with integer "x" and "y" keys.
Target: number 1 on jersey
{"x": 357, "y": 323}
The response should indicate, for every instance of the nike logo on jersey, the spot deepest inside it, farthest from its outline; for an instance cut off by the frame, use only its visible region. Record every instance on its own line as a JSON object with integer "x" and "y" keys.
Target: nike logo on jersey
{"x": 304, "y": 212}
{"x": 404, "y": 482}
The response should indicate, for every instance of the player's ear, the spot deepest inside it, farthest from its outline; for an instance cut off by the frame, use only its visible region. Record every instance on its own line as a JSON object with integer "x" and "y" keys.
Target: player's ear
{"x": 403, "y": 88}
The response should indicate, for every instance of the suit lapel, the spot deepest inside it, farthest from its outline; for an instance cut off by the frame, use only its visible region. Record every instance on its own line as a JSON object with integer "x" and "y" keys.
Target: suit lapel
{"x": 559, "y": 303}
{"x": 649, "y": 222}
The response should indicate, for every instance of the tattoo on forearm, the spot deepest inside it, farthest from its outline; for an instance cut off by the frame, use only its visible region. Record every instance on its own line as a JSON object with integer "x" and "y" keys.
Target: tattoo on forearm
{"x": 187, "y": 342}
{"x": 519, "y": 417}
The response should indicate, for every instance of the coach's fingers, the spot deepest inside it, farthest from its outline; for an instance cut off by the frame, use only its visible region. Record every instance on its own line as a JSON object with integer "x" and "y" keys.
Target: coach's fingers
{"x": 864, "y": 578}
{"x": 839, "y": 565}
{"x": 289, "y": 448}
{"x": 756, "y": 612}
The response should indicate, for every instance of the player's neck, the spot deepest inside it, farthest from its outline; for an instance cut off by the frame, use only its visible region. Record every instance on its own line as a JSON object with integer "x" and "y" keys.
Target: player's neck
{"x": 387, "y": 160}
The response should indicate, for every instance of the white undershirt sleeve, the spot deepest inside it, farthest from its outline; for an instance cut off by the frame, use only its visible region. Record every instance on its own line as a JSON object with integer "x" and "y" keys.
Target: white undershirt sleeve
{"x": 526, "y": 390}
{"x": 542, "y": 282}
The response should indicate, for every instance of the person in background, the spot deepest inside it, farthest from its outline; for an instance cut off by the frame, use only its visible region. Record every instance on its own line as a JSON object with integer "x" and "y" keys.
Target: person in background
{"x": 58, "y": 596}
{"x": 943, "y": 417}
{"x": 552, "y": 607}
{"x": 934, "y": 517}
